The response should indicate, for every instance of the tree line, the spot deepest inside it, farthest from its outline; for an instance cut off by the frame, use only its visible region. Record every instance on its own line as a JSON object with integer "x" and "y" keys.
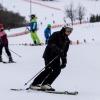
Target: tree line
{"x": 10, "y": 19}
{"x": 95, "y": 18}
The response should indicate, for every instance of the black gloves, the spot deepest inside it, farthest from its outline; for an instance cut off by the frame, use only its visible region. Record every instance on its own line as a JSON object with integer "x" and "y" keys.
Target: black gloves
{"x": 63, "y": 66}
{"x": 64, "y": 62}
{"x": 33, "y": 30}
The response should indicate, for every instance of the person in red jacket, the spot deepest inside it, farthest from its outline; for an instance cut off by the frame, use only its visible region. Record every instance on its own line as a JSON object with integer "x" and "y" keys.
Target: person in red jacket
{"x": 4, "y": 43}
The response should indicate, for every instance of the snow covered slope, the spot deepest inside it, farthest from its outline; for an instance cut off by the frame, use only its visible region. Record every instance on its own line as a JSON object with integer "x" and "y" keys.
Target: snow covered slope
{"x": 81, "y": 73}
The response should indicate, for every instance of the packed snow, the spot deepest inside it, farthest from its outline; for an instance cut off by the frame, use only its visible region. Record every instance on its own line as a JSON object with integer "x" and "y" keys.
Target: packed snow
{"x": 82, "y": 70}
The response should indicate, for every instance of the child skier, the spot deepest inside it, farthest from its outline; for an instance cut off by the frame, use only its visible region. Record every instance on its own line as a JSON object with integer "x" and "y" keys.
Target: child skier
{"x": 47, "y": 33}
{"x": 33, "y": 30}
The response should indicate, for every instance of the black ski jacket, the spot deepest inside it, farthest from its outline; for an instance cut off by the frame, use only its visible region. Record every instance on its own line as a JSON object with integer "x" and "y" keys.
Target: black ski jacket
{"x": 58, "y": 44}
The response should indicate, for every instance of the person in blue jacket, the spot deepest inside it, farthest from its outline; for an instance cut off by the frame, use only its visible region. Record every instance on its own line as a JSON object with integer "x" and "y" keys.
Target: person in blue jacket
{"x": 47, "y": 33}
{"x": 33, "y": 30}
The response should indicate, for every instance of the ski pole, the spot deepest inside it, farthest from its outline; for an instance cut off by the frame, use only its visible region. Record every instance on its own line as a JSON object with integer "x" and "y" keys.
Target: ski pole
{"x": 41, "y": 70}
{"x": 16, "y": 53}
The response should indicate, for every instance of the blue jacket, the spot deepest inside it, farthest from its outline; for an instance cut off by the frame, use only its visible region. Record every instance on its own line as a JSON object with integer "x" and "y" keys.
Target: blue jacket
{"x": 33, "y": 25}
{"x": 47, "y": 32}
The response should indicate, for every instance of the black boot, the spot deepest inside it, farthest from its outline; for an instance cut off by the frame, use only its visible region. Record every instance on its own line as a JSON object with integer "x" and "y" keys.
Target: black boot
{"x": 35, "y": 43}
{"x": 11, "y": 60}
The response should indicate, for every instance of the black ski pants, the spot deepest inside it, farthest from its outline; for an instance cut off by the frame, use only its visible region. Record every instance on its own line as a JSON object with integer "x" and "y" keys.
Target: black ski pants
{"x": 6, "y": 50}
{"x": 49, "y": 74}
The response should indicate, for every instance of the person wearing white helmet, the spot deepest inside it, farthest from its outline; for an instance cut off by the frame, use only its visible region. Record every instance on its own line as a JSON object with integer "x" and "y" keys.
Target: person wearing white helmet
{"x": 55, "y": 57}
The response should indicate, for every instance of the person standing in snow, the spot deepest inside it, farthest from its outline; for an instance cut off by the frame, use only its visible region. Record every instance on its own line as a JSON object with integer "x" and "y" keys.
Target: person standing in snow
{"x": 4, "y": 43}
{"x": 47, "y": 33}
{"x": 33, "y": 30}
{"x": 55, "y": 51}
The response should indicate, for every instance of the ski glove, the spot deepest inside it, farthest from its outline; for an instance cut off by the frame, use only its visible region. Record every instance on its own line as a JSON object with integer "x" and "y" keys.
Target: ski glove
{"x": 63, "y": 66}
{"x": 64, "y": 61}
{"x": 33, "y": 30}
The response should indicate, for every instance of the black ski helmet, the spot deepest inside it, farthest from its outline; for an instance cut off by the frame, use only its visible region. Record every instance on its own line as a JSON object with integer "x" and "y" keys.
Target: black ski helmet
{"x": 33, "y": 16}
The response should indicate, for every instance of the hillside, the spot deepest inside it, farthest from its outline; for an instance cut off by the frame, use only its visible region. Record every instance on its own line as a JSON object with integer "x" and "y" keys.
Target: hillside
{"x": 23, "y": 7}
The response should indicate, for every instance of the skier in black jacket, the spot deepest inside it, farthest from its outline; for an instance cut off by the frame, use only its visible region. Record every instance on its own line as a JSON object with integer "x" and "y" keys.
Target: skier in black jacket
{"x": 55, "y": 57}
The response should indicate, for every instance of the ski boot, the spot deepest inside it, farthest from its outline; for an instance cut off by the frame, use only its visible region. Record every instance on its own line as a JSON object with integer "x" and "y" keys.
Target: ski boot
{"x": 47, "y": 87}
{"x": 35, "y": 87}
{"x": 11, "y": 60}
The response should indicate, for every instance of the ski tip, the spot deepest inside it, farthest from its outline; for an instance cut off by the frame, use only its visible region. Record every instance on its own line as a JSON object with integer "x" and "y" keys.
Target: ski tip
{"x": 6, "y": 62}
{"x": 72, "y": 93}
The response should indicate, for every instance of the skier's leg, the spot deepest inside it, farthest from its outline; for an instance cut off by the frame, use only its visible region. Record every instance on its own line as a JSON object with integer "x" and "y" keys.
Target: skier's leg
{"x": 1, "y": 47}
{"x": 39, "y": 79}
{"x": 52, "y": 76}
{"x": 37, "y": 38}
{"x": 46, "y": 84}
{"x": 8, "y": 53}
{"x": 33, "y": 37}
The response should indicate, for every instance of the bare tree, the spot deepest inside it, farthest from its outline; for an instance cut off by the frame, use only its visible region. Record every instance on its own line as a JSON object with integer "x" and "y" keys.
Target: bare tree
{"x": 70, "y": 12}
{"x": 80, "y": 13}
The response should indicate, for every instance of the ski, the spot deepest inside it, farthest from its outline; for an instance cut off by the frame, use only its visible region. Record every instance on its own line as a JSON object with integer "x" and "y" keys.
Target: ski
{"x": 5, "y": 62}
{"x": 12, "y": 62}
{"x": 47, "y": 91}
{"x": 63, "y": 92}
{"x": 18, "y": 89}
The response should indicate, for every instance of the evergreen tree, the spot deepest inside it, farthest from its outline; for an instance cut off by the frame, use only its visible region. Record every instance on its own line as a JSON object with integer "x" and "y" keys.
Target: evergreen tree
{"x": 11, "y": 19}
